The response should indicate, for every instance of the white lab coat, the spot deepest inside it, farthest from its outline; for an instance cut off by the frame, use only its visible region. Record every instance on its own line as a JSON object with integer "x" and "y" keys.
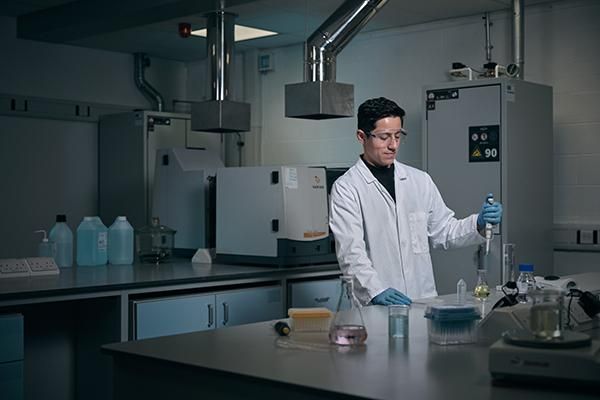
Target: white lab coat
{"x": 385, "y": 244}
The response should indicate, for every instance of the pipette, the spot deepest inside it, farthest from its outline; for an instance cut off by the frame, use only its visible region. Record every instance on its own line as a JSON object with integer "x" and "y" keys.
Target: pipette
{"x": 488, "y": 228}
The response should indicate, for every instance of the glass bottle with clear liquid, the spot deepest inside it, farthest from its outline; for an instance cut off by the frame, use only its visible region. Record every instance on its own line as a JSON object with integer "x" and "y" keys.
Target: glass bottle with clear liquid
{"x": 348, "y": 327}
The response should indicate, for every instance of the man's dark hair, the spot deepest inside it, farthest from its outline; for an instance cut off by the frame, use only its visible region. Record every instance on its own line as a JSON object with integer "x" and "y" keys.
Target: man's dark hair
{"x": 373, "y": 110}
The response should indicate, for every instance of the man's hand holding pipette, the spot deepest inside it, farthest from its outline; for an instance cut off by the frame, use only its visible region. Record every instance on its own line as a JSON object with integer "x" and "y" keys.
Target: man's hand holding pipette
{"x": 490, "y": 214}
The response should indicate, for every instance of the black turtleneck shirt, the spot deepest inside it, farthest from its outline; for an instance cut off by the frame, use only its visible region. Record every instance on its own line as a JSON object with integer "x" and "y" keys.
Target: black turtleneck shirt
{"x": 385, "y": 176}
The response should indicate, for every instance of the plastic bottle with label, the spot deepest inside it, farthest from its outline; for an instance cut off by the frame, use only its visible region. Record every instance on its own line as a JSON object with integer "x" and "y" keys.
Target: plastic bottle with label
{"x": 62, "y": 235}
{"x": 120, "y": 242}
{"x": 92, "y": 242}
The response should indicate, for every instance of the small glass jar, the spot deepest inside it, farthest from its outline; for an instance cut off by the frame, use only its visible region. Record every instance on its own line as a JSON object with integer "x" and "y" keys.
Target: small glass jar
{"x": 546, "y": 313}
{"x": 154, "y": 243}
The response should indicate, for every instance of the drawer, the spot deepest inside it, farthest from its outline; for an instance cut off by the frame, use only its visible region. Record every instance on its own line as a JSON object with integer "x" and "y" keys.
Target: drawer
{"x": 321, "y": 293}
{"x": 170, "y": 316}
{"x": 11, "y": 337}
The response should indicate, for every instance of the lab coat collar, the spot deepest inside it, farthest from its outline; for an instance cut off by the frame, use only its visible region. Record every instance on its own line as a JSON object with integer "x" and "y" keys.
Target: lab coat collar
{"x": 399, "y": 171}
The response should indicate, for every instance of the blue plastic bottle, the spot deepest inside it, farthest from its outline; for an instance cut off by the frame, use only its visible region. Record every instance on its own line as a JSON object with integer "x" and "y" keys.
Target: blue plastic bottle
{"x": 120, "y": 242}
{"x": 62, "y": 235}
{"x": 92, "y": 240}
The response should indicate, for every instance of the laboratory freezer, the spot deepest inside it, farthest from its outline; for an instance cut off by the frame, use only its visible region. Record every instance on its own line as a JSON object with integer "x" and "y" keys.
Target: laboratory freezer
{"x": 492, "y": 136}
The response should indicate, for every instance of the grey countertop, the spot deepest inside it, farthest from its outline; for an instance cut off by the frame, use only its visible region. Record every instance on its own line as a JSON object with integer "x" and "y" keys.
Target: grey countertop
{"x": 80, "y": 280}
{"x": 382, "y": 369}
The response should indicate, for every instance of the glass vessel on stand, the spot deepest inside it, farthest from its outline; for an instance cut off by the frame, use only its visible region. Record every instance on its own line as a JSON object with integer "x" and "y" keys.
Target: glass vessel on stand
{"x": 348, "y": 327}
{"x": 154, "y": 243}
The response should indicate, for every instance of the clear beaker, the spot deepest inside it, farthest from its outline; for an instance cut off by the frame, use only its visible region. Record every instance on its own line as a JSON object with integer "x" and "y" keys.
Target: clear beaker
{"x": 546, "y": 313}
{"x": 348, "y": 327}
{"x": 398, "y": 321}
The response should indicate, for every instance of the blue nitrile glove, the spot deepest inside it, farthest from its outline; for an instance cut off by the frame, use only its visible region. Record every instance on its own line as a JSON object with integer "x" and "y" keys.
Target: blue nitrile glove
{"x": 491, "y": 213}
{"x": 390, "y": 296}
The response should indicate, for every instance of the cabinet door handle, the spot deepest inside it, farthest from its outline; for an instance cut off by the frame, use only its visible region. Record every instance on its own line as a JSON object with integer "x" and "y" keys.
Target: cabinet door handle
{"x": 322, "y": 299}
{"x": 211, "y": 315}
{"x": 225, "y": 313}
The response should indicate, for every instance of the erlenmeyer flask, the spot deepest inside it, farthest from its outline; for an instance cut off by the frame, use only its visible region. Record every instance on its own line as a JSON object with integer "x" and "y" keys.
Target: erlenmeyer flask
{"x": 482, "y": 290}
{"x": 348, "y": 327}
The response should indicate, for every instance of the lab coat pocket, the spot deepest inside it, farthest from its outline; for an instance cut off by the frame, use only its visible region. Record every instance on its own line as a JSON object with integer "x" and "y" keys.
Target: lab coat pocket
{"x": 418, "y": 232}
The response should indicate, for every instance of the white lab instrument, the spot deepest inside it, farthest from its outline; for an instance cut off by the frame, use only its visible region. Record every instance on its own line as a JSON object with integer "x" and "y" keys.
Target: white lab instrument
{"x": 182, "y": 196}
{"x": 561, "y": 283}
{"x": 540, "y": 349}
{"x": 574, "y": 359}
{"x": 127, "y": 145}
{"x": 272, "y": 215}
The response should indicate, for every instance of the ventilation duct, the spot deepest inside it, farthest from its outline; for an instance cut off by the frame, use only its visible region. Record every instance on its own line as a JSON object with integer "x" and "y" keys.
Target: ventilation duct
{"x": 219, "y": 114}
{"x": 142, "y": 61}
{"x": 518, "y": 37}
{"x": 320, "y": 96}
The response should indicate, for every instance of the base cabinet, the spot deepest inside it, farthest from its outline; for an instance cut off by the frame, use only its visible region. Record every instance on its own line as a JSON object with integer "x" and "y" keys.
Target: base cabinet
{"x": 197, "y": 312}
{"x": 11, "y": 356}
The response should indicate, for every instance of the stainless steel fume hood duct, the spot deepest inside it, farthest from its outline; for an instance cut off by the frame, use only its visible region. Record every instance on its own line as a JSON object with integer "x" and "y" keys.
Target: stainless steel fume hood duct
{"x": 320, "y": 96}
{"x": 518, "y": 36}
{"x": 141, "y": 61}
{"x": 219, "y": 114}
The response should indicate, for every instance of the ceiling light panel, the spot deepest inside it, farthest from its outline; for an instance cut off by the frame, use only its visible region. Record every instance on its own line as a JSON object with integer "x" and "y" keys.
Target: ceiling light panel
{"x": 241, "y": 33}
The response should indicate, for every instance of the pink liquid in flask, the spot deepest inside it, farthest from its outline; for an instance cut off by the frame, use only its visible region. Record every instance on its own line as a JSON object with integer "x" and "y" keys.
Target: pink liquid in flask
{"x": 347, "y": 335}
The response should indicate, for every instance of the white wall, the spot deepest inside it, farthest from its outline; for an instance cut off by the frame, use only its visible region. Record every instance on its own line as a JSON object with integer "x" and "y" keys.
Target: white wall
{"x": 75, "y": 73}
{"x": 561, "y": 49}
{"x": 48, "y": 166}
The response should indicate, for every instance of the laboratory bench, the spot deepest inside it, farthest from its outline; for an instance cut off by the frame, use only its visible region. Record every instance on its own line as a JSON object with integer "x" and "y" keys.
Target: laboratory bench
{"x": 252, "y": 361}
{"x": 66, "y": 318}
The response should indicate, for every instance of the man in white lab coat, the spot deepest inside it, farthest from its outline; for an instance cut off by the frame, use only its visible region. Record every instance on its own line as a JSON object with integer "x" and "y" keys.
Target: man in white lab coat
{"x": 384, "y": 215}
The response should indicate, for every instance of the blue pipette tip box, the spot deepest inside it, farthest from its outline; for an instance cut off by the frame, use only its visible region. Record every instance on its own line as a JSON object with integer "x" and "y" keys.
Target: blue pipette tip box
{"x": 452, "y": 323}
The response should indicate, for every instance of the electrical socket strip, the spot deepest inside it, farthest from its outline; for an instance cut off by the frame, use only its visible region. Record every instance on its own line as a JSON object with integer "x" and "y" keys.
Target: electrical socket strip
{"x": 14, "y": 267}
{"x": 23, "y": 267}
{"x": 42, "y": 266}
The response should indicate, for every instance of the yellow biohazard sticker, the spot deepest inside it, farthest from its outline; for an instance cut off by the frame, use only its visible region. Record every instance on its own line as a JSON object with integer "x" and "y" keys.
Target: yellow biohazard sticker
{"x": 476, "y": 152}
